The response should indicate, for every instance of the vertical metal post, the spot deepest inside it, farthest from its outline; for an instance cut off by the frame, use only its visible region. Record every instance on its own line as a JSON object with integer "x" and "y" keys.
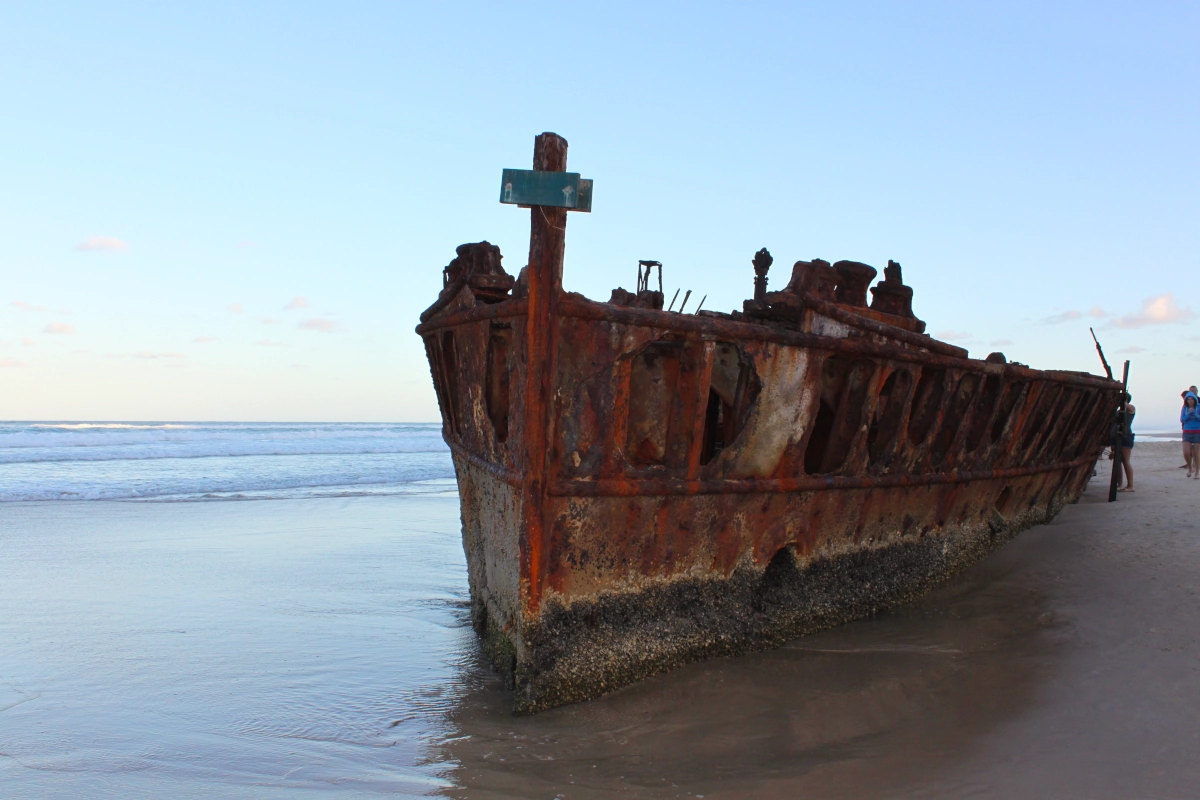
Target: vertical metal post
{"x": 547, "y": 238}
{"x": 762, "y": 262}
{"x": 1121, "y": 432}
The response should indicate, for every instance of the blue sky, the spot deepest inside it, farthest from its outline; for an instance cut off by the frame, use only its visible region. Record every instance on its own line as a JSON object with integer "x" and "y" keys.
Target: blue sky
{"x": 172, "y": 179}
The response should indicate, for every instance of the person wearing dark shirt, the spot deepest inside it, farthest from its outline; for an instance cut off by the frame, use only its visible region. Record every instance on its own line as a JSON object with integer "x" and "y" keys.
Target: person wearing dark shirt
{"x": 1122, "y": 446}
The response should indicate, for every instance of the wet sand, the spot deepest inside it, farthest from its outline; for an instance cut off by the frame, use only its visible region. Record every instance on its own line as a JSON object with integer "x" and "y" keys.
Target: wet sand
{"x": 322, "y": 648}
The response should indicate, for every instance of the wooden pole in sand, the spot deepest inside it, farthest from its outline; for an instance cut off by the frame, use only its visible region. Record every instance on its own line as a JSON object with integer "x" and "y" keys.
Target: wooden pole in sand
{"x": 1121, "y": 433}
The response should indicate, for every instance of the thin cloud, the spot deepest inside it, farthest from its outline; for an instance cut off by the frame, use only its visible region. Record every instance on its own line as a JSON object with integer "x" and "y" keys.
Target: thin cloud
{"x": 299, "y": 366}
{"x": 101, "y": 244}
{"x": 235, "y": 308}
{"x": 27, "y": 342}
{"x": 1160, "y": 310}
{"x": 151, "y": 354}
{"x": 1097, "y": 312}
{"x": 318, "y": 324}
{"x": 297, "y": 302}
{"x": 1001, "y": 342}
{"x": 247, "y": 243}
{"x": 58, "y": 327}
{"x": 205, "y": 339}
{"x": 953, "y": 336}
{"x": 269, "y": 343}
{"x": 11, "y": 362}
{"x": 21, "y": 304}
{"x": 1065, "y": 316}
{"x": 1133, "y": 349}
{"x": 268, "y": 320}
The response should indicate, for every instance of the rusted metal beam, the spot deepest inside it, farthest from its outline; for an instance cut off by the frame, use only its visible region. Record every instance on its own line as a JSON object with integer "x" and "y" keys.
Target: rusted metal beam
{"x": 499, "y": 471}
{"x": 833, "y": 311}
{"x": 509, "y": 308}
{"x": 696, "y": 434}
{"x": 809, "y": 483}
{"x": 581, "y": 308}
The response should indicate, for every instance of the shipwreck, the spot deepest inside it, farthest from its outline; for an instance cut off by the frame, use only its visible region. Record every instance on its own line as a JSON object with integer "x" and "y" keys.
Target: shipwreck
{"x": 643, "y": 487}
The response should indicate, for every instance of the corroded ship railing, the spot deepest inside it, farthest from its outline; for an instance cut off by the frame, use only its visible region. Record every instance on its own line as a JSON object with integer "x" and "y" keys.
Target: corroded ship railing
{"x": 642, "y": 488}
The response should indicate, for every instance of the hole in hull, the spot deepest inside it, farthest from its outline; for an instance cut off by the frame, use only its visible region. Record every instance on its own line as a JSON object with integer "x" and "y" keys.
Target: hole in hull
{"x": 814, "y": 455}
{"x": 959, "y": 405}
{"x": 1004, "y": 500}
{"x": 926, "y": 403}
{"x": 844, "y": 386}
{"x": 1012, "y": 395}
{"x": 778, "y": 580}
{"x": 497, "y": 390}
{"x": 889, "y": 411}
{"x": 733, "y": 388}
{"x": 1040, "y": 417}
{"x": 983, "y": 413}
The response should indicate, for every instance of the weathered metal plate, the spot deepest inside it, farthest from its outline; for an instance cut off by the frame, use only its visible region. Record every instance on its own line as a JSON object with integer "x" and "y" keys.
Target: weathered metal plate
{"x": 527, "y": 187}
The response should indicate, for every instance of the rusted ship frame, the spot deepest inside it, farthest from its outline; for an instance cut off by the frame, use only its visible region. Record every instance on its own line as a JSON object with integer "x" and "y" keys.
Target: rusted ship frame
{"x": 641, "y": 488}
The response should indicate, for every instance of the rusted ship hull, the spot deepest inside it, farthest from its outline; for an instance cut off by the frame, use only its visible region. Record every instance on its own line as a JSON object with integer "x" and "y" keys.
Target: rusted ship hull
{"x": 641, "y": 488}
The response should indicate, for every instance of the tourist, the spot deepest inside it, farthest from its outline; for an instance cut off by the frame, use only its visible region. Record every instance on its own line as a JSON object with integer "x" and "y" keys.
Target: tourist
{"x": 1122, "y": 445}
{"x": 1189, "y": 417}
{"x": 1187, "y": 448}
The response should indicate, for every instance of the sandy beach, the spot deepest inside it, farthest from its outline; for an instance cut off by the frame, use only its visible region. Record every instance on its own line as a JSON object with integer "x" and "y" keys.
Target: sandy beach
{"x": 296, "y": 648}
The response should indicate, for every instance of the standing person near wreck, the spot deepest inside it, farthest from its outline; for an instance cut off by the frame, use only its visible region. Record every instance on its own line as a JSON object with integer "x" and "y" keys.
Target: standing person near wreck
{"x": 1189, "y": 418}
{"x": 1122, "y": 444}
{"x": 1187, "y": 448}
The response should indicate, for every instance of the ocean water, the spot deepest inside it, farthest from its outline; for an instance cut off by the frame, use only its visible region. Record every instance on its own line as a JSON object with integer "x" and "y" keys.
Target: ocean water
{"x": 159, "y": 461}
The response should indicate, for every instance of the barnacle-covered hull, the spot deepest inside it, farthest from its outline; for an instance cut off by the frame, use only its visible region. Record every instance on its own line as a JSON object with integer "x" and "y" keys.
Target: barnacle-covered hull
{"x": 642, "y": 488}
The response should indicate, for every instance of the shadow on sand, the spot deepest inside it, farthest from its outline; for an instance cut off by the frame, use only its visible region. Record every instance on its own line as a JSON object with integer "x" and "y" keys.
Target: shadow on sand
{"x": 874, "y": 705}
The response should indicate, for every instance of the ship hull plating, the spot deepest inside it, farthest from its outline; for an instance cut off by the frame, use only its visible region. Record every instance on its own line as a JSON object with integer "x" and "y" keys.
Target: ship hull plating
{"x": 763, "y": 569}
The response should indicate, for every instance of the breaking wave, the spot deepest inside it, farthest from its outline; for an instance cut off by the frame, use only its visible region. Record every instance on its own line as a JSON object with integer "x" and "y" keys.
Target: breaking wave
{"x": 48, "y": 441}
{"x": 219, "y": 461}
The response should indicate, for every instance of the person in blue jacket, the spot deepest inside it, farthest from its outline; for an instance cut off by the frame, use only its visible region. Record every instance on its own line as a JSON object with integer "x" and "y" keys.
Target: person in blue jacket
{"x": 1187, "y": 448}
{"x": 1189, "y": 418}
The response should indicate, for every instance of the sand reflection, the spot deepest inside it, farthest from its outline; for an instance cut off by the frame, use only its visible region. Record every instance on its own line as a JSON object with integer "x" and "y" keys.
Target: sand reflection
{"x": 872, "y": 705}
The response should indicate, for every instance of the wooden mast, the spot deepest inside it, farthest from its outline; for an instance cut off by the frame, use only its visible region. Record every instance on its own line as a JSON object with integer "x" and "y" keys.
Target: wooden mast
{"x": 547, "y": 239}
